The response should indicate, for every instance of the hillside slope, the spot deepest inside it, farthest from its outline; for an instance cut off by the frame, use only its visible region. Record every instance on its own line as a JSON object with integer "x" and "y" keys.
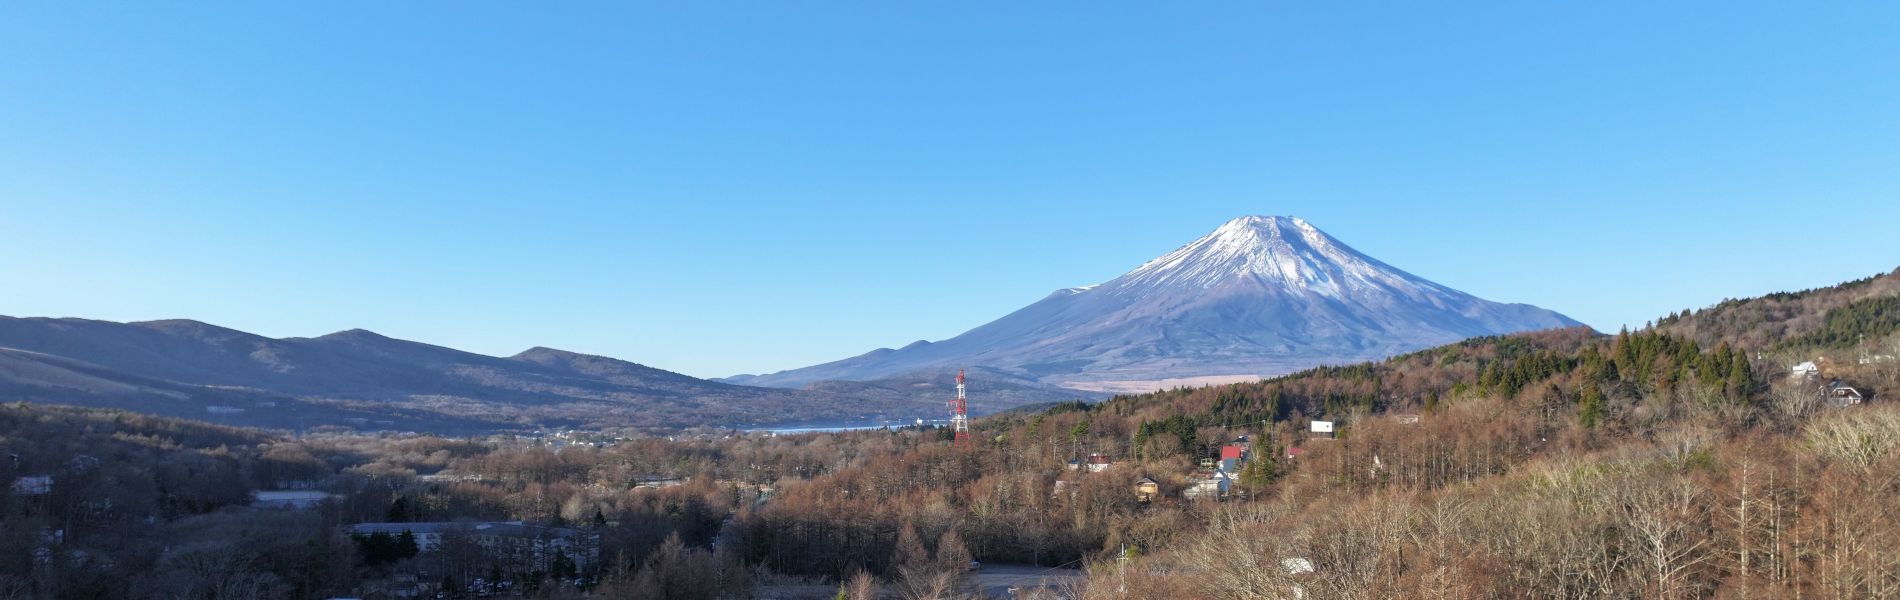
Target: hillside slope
{"x": 1857, "y": 315}
{"x": 1259, "y": 296}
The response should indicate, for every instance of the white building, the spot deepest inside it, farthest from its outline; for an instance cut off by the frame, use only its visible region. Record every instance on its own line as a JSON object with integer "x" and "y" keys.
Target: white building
{"x": 1095, "y": 463}
{"x": 1805, "y": 370}
{"x": 1208, "y": 485}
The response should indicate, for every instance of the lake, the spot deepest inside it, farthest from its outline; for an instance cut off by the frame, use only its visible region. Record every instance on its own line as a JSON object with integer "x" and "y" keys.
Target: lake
{"x": 837, "y": 427}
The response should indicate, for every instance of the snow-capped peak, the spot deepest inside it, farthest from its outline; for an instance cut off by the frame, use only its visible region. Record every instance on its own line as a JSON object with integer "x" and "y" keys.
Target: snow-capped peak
{"x": 1283, "y": 251}
{"x": 1257, "y": 296}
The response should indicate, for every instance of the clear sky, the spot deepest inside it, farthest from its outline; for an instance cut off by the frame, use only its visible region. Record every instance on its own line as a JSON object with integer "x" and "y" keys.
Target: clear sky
{"x": 718, "y": 188}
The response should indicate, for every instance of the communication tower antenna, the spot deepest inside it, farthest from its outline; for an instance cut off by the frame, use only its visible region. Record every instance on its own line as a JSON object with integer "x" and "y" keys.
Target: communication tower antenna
{"x": 960, "y": 415}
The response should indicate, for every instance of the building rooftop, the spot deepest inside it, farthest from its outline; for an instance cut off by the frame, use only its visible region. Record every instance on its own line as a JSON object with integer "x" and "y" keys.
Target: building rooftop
{"x": 33, "y": 485}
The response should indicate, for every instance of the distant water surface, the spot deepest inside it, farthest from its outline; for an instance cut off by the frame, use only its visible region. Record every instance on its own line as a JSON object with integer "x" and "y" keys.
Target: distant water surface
{"x": 837, "y": 427}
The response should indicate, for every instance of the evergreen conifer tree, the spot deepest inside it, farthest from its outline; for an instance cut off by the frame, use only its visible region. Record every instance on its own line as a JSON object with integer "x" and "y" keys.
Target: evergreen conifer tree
{"x": 406, "y": 546}
{"x": 1264, "y": 466}
{"x": 1590, "y": 405}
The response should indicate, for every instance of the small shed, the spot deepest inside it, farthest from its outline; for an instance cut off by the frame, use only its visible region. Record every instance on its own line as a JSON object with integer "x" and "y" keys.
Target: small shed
{"x": 1146, "y": 489}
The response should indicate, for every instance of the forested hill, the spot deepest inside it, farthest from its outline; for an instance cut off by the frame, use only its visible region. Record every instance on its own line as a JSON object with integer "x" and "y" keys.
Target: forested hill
{"x": 1571, "y": 373}
{"x": 1857, "y": 315}
{"x": 1722, "y": 356}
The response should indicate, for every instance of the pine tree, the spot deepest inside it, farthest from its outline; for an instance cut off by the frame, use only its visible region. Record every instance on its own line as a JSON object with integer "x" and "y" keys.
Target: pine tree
{"x": 376, "y": 548}
{"x": 1264, "y": 466}
{"x": 406, "y": 545}
{"x": 1276, "y": 402}
{"x": 399, "y": 510}
{"x": 1741, "y": 379}
{"x": 1590, "y": 405}
{"x": 1623, "y": 352}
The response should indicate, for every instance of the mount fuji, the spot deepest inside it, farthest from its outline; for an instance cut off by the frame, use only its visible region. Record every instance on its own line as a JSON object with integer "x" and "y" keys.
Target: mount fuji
{"x": 1259, "y": 296}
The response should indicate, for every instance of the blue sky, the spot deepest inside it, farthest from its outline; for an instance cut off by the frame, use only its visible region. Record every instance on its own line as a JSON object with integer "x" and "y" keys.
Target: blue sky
{"x": 718, "y": 188}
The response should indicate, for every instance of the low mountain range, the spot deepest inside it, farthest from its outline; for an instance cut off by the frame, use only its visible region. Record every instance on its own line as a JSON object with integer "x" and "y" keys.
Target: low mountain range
{"x": 1259, "y": 296}
{"x": 361, "y": 379}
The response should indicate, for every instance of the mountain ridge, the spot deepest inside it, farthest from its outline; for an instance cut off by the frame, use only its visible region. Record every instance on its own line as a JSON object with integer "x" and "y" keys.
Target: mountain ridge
{"x": 1258, "y": 296}
{"x": 182, "y": 367}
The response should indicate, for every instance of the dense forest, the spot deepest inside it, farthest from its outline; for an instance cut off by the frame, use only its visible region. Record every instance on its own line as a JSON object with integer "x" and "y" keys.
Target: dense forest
{"x": 1679, "y": 460}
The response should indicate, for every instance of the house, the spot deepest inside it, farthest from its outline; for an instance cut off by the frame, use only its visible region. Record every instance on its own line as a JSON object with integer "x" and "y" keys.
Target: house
{"x": 1231, "y": 457}
{"x": 524, "y": 545}
{"x": 1146, "y": 489}
{"x": 1325, "y": 427}
{"x": 1095, "y": 463}
{"x": 1805, "y": 370}
{"x": 1840, "y": 394}
{"x": 1208, "y": 485}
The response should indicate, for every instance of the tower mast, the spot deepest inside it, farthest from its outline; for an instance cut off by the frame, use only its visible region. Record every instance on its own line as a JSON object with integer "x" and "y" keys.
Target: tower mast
{"x": 960, "y": 415}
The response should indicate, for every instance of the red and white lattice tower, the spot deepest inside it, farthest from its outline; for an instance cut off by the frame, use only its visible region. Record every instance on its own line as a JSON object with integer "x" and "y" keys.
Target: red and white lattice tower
{"x": 960, "y": 415}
